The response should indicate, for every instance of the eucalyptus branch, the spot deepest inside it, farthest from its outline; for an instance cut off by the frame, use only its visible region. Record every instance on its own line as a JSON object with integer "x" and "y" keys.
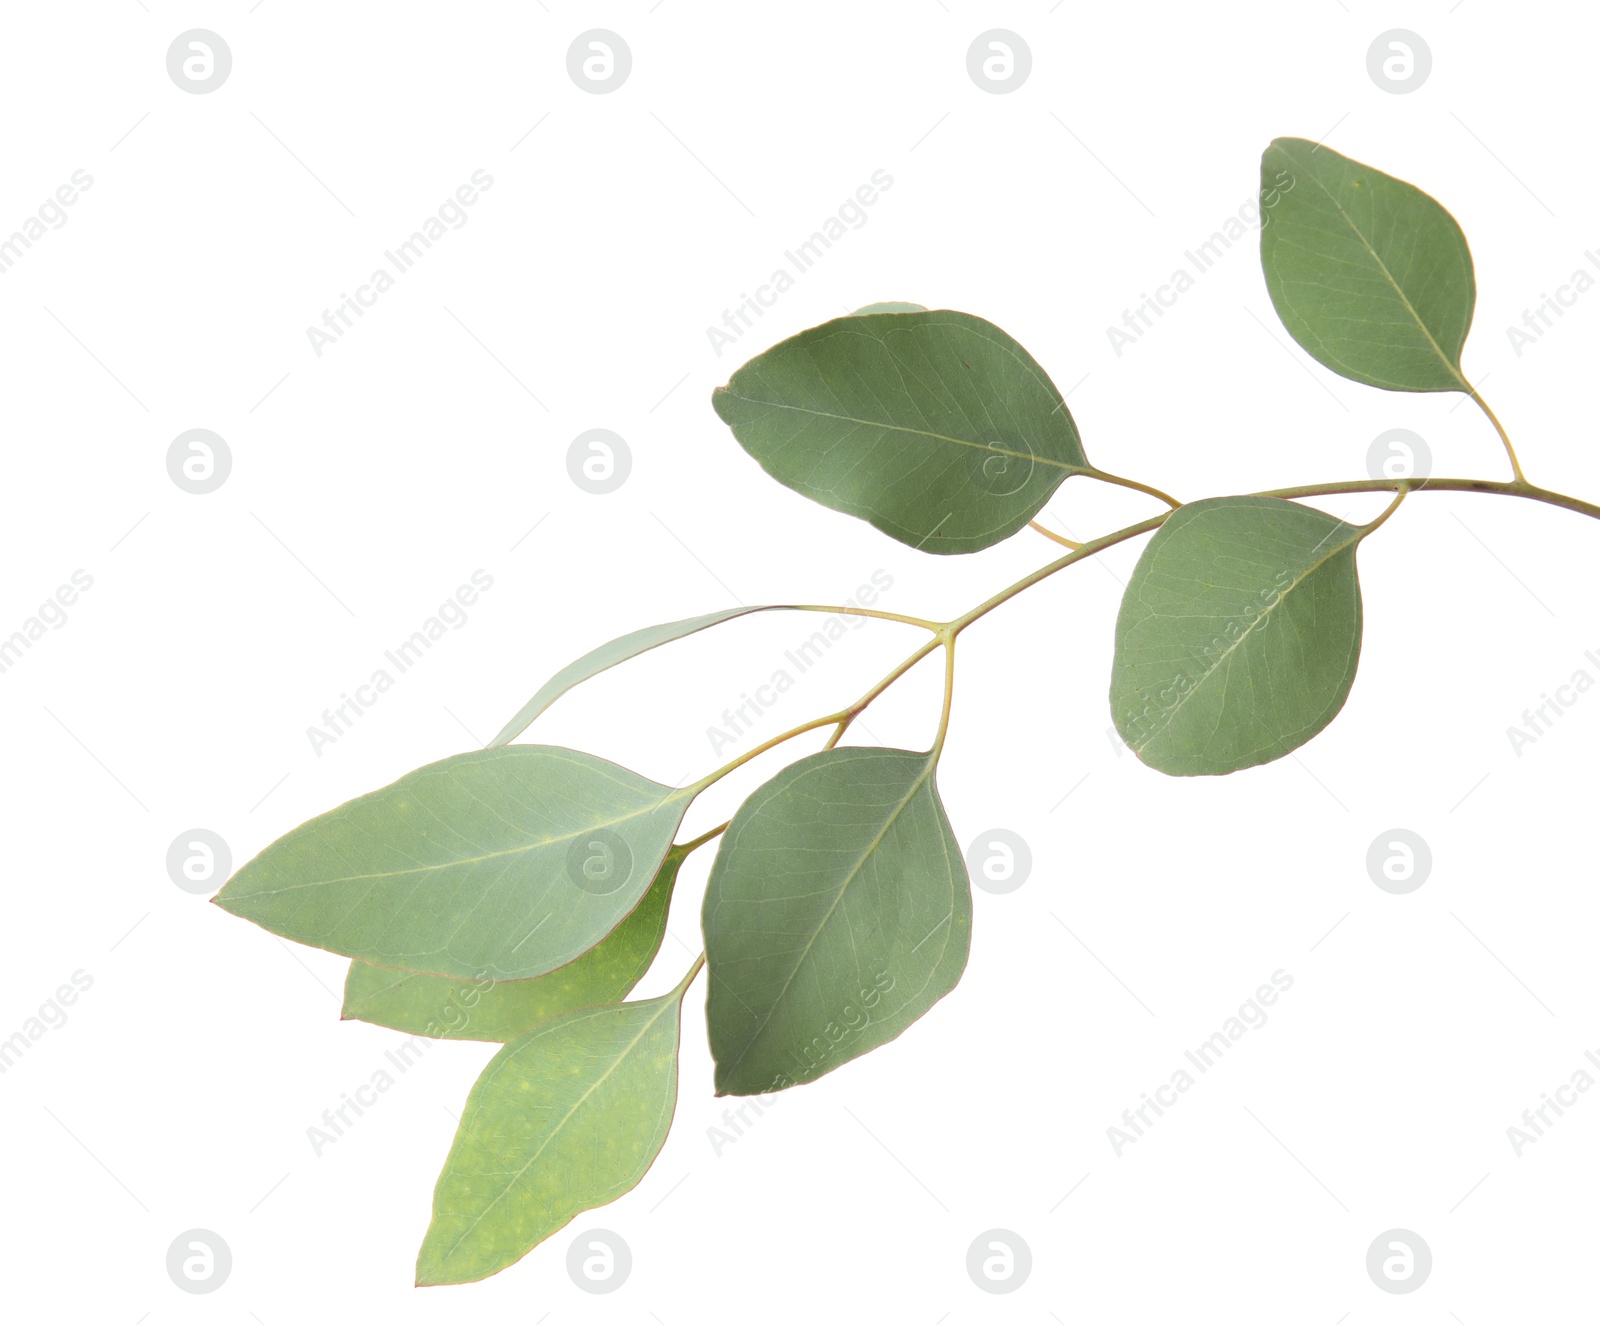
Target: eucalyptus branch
{"x": 531, "y": 884}
{"x": 1401, "y": 485}
{"x": 1516, "y": 488}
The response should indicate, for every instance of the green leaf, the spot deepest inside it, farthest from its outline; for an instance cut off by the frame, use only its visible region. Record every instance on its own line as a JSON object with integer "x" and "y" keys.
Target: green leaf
{"x": 836, "y": 914}
{"x": 937, "y": 428}
{"x": 1370, "y": 275}
{"x": 609, "y": 655}
{"x": 500, "y": 864}
{"x": 1238, "y": 636}
{"x": 563, "y": 1119}
{"x": 503, "y": 1009}
{"x": 889, "y": 306}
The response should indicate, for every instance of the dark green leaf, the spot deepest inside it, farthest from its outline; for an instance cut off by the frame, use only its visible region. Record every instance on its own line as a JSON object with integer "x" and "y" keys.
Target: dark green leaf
{"x": 1238, "y": 636}
{"x": 1369, "y": 274}
{"x": 938, "y": 428}
{"x": 837, "y": 913}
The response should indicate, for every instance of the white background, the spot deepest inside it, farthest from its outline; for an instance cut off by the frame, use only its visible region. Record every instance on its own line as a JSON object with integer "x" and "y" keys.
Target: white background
{"x": 369, "y": 482}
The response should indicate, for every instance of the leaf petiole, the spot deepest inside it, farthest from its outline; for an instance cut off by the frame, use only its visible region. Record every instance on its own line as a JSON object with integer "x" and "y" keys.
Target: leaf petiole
{"x": 870, "y": 612}
{"x": 1388, "y": 510}
{"x": 1133, "y": 484}
{"x": 682, "y": 987}
{"x": 949, "y": 695}
{"x": 1052, "y": 536}
{"x": 1516, "y": 466}
{"x": 684, "y": 848}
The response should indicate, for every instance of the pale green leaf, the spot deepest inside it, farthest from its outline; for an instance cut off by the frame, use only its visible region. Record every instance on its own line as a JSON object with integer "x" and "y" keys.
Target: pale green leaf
{"x": 501, "y": 1010}
{"x": 1238, "y": 636}
{"x": 837, "y": 913}
{"x": 1370, "y": 275}
{"x": 888, "y": 306}
{"x": 500, "y": 864}
{"x": 565, "y": 1118}
{"x": 609, "y": 655}
{"x": 937, "y": 428}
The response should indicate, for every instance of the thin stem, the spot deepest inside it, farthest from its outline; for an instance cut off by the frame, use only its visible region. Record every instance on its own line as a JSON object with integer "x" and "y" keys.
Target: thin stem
{"x": 900, "y": 669}
{"x": 1516, "y": 466}
{"x": 1514, "y": 489}
{"x": 843, "y": 717}
{"x": 684, "y": 848}
{"x": 945, "y": 633}
{"x": 960, "y": 623}
{"x": 1135, "y": 485}
{"x": 1388, "y": 510}
{"x": 867, "y": 611}
{"x": 682, "y": 987}
{"x": 949, "y": 694}
{"x": 1052, "y": 536}
{"x": 718, "y": 774}
{"x": 855, "y": 710}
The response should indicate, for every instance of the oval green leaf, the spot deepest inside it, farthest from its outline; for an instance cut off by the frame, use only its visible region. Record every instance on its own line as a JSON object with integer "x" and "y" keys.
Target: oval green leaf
{"x": 888, "y": 306}
{"x": 1238, "y": 636}
{"x": 937, "y": 428}
{"x": 608, "y": 655}
{"x": 1369, "y": 274}
{"x": 837, "y": 913}
{"x": 499, "y": 864}
{"x": 501, "y": 1010}
{"x": 563, "y": 1119}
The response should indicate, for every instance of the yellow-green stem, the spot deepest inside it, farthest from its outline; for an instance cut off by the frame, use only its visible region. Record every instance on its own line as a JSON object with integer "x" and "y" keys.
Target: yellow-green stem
{"x": 1053, "y": 536}
{"x": 1135, "y": 485}
{"x": 1511, "y": 453}
{"x": 1388, "y": 510}
{"x": 946, "y": 632}
{"x": 867, "y": 611}
{"x": 688, "y": 979}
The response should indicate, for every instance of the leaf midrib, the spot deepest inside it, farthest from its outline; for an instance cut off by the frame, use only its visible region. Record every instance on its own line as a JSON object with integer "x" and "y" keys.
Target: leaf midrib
{"x": 460, "y": 861}
{"x": 900, "y": 427}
